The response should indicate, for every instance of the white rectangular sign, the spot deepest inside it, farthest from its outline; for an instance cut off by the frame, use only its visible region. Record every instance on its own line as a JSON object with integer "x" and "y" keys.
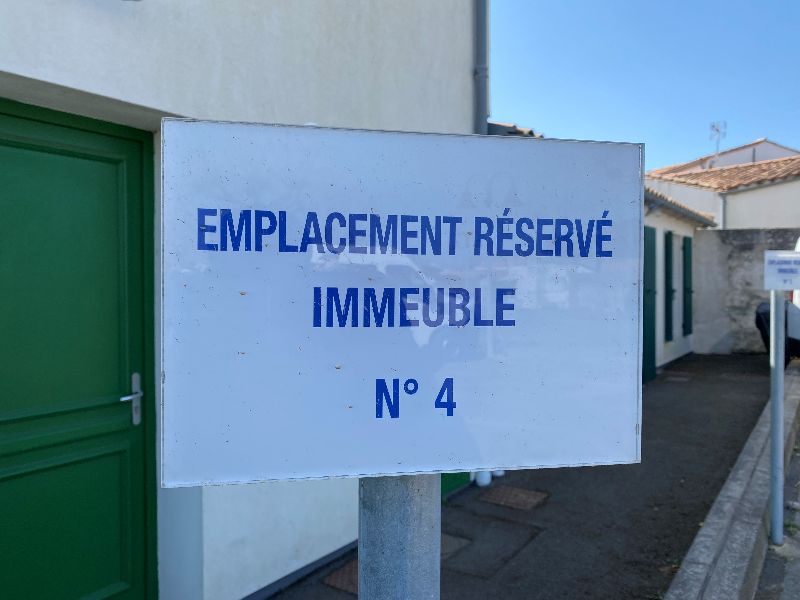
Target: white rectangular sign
{"x": 354, "y": 303}
{"x": 781, "y": 270}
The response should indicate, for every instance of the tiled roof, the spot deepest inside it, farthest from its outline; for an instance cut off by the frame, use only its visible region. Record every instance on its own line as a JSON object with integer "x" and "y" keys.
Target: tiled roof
{"x": 496, "y": 128}
{"x": 726, "y": 179}
{"x": 652, "y": 197}
{"x": 699, "y": 162}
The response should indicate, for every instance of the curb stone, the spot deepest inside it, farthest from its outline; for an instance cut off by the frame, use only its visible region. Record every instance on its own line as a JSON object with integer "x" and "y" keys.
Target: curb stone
{"x": 725, "y": 559}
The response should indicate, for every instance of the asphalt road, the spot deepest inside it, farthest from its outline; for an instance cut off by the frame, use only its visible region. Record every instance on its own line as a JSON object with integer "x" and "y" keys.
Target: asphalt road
{"x": 602, "y": 532}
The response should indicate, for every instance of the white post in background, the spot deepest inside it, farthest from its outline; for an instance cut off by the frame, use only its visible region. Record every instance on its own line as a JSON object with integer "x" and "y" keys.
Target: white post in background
{"x": 776, "y": 362}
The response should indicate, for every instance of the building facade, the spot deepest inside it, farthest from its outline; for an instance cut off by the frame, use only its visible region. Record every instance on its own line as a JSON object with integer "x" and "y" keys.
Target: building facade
{"x": 756, "y": 185}
{"x": 83, "y": 88}
{"x": 668, "y": 316}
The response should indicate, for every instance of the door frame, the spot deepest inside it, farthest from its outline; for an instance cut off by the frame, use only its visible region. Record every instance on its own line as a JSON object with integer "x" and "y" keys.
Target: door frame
{"x": 145, "y": 141}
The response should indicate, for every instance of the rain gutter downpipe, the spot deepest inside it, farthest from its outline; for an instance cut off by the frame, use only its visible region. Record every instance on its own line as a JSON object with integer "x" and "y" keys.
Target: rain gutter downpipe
{"x": 481, "y": 72}
{"x": 481, "y": 125}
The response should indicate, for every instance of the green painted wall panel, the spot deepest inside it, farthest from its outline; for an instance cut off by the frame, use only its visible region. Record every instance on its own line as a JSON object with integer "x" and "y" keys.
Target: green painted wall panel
{"x": 452, "y": 482}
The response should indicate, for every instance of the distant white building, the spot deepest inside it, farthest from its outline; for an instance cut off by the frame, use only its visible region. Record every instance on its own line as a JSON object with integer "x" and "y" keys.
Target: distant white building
{"x": 756, "y": 185}
{"x": 669, "y": 229}
{"x": 667, "y": 319}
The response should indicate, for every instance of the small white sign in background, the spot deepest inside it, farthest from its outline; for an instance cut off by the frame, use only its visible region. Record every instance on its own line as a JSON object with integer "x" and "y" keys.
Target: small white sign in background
{"x": 355, "y": 303}
{"x": 781, "y": 270}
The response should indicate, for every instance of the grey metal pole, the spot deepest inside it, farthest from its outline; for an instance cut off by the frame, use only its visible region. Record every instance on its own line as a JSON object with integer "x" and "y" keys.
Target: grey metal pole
{"x": 776, "y": 362}
{"x": 399, "y": 537}
{"x": 481, "y": 66}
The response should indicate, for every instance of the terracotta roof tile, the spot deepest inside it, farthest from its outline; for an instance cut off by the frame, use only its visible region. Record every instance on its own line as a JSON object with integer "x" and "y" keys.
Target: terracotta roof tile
{"x": 698, "y": 163}
{"x": 725, "y": 179}
{"x": 497, "y": 128}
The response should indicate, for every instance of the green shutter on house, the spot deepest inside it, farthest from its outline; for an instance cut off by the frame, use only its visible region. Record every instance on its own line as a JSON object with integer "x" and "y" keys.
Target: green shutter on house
{"x": 669, "y": 291}
{"x": 687, "y": 286}
{"x": 649, "y": 306}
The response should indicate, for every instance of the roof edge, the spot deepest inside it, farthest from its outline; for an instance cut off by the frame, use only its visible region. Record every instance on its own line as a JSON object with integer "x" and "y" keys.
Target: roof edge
{"x": 760, "y": 184}
{"x": 696, "y": 161}
{"x": 652, "y": 196}
{"x": 676, "y": 177}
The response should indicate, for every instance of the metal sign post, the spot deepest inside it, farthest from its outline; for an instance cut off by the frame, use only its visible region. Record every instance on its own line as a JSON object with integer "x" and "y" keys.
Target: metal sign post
{"x": 776, "y": 363}
{"x": 781, "y": 273}
{"x": 399, "y": 537}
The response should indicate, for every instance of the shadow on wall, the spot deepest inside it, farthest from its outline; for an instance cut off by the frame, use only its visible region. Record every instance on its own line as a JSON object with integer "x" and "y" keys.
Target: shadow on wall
{"x": 728, "y": 275}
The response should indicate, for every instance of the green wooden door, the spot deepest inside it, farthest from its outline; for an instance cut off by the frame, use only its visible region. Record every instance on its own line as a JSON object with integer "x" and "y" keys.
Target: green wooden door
{"x": 74, "y": 508}
{"x": 649, "y": 306}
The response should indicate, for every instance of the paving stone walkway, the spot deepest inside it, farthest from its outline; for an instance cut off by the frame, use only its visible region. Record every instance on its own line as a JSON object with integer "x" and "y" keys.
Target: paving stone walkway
{"x": 780, "y": 576}
{"x": 599, "y": 532}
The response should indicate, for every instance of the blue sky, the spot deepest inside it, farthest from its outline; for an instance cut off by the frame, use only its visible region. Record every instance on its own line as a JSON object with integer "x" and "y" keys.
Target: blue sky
{"x": 652, "y": 72}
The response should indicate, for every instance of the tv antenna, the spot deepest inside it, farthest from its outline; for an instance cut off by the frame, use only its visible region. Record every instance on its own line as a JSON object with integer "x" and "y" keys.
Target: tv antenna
{"x": 718, "y": 131}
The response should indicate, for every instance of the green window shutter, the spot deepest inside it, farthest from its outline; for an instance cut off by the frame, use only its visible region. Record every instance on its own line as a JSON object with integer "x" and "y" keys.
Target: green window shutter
{"x": 669, "y": 291}
{"x": 649, "y": 305}
{"x": 687, "y": 286}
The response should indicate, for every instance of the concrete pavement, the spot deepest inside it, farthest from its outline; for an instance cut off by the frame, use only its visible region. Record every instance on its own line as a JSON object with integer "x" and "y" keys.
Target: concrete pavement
{"x": 599, "y": 532}
{"x": 780, "y": 576}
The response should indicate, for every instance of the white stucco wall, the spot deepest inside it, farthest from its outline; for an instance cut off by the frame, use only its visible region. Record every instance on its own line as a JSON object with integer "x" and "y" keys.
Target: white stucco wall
{"x": 245, "y": 526}
{"x": 767, "y": 207}
{"x": 729, "y": 285}
{"x": 664, "y": 221}
{"x": 351, "y": 63}
{"x": 707, "y": 201}
{"x": 339, "y": 63}
{"x": 764, "y": 150}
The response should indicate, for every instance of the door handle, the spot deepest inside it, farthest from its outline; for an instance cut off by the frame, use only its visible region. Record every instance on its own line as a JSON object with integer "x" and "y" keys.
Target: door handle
{"x": 135, "y": 398}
